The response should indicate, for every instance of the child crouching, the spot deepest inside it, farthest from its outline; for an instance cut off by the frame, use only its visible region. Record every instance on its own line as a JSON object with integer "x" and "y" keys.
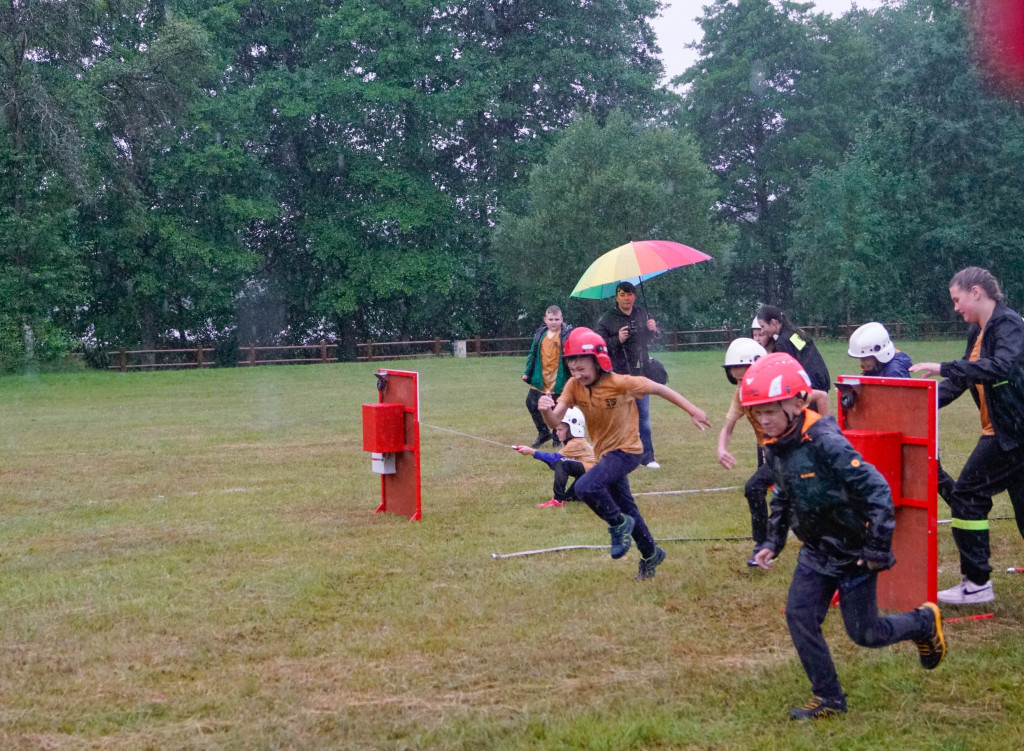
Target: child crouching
{"x": 575, "y": 457}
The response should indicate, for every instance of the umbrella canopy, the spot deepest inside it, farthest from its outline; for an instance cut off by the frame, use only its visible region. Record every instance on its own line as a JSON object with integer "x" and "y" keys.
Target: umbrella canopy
{"x": 634, "y": 262}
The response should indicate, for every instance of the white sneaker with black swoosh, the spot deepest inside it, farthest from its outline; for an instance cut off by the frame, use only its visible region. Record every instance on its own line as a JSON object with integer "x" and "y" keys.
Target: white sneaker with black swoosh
{"x": 968, "y": 593}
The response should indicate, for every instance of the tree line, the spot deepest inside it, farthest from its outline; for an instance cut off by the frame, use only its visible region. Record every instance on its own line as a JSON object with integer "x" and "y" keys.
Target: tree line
{"x": 246, "y": 171}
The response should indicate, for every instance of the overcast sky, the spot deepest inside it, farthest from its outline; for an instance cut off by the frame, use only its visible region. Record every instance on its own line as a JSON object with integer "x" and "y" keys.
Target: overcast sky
{"x": 676, "y": 28}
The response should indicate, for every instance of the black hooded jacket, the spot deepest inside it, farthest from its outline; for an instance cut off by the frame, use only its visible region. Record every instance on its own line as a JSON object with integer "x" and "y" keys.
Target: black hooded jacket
{"x": 837, "y": 504}
{"x": 790, "y": 342}
{"x": 999, "y": 371}
{"x": 629, "y": 357}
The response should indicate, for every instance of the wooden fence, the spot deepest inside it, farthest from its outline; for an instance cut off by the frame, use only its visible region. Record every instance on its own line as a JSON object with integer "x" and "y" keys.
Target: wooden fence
{"x": 324, "y": 352}
{"x": 149, "y": 359}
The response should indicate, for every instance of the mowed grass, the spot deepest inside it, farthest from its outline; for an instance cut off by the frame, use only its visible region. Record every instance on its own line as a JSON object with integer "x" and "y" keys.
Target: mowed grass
{"x": 190, "y": 560}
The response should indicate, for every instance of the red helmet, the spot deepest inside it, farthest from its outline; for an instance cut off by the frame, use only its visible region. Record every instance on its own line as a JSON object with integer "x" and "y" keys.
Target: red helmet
{"x": 773, "y": 378}
{"x": 583, "y": 341}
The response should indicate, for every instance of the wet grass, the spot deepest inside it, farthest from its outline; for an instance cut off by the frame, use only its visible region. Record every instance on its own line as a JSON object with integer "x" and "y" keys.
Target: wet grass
{"x": 190, "y": 560}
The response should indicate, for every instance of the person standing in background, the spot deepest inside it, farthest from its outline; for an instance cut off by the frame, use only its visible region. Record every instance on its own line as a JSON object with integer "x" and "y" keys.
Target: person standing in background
{"x": 545, "y": 370}
{"x": 628, "y": 330}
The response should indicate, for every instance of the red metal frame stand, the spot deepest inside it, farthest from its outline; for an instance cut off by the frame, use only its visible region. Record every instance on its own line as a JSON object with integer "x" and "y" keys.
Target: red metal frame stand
{"x": 391, "y": 430}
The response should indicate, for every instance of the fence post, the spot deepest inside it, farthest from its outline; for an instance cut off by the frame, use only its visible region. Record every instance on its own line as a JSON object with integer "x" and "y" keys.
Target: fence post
{"x": 675, "y": 340}
{"x": 122, "y": 360}
{"x": 323, "y": 350}
{"x": 252, "y": 355}
{"x": 480, "y": 346}
{"x": 437, "y": 347}
{"x": 199, "y": 357}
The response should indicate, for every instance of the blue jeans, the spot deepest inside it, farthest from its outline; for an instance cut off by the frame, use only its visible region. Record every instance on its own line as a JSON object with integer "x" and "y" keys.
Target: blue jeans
{"x": 643, "y": 408}
{"x": 605, "y": 489}
{"x": 806, "y": 608}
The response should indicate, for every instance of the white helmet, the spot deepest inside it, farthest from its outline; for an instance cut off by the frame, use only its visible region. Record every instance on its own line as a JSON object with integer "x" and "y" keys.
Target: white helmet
{"x": 742, "y": 351}
{"x": 872, "y": 340}
{"x": 756, "y": 325}
{"x": 576, "y": 421}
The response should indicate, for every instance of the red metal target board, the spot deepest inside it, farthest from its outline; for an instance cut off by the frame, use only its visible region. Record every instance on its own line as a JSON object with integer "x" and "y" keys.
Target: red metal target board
{"x": 894, "y": 424}
{"x": 400, "y": 489}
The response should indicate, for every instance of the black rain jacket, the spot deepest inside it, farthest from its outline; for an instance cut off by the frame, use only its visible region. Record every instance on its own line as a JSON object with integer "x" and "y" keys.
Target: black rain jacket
{"x": 629, "y": 357}
{"x": 837, "y": 504}
{"x": 999, "y": 370}
{"x": 790, "y": 342}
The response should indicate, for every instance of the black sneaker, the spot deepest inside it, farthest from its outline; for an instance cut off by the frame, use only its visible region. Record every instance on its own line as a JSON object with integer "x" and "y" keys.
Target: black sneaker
{"x": 647, "y": 565}
{"x": 541, "y": 440}
{"x": 621, "y": 539}
{"x": 818, "y": 708}
{"x": 931, "y": 649}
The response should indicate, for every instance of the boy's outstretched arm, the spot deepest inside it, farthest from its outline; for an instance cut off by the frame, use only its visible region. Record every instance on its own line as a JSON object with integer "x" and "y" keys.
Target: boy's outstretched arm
{"x": 697, "y": 416}
{"x": 725, "y": 458}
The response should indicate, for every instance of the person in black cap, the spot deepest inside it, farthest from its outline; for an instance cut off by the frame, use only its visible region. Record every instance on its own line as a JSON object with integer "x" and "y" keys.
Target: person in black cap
{"x": 628, "y": 330}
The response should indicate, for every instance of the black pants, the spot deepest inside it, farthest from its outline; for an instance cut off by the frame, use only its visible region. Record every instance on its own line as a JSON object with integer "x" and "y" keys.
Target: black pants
{"x": 989, "y": 470}
{"x": 756, "y": 491}
{"x": 809, "y": 597}
{"x": 605, "y": 489}
{"x": 564, "y": 469}
{"x": 532, "y": 397}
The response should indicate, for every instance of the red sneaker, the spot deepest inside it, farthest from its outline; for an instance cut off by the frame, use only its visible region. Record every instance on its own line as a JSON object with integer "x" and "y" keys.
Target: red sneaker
{"x": 553, "y": 503}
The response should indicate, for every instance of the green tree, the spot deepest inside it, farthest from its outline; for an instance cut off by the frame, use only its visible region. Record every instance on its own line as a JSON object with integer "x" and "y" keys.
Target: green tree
{"x": 394, "y": 129}
{"x": 932, "y": 184}
{"x": 777, "y": 91}
{"x": 600, "y": 187}
{"x": 179, "y": 190}
{"x": 42, "y": 158}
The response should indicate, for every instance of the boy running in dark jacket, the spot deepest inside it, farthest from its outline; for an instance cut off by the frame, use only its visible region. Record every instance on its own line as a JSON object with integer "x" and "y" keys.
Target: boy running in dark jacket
{"x": 841, "y": 508}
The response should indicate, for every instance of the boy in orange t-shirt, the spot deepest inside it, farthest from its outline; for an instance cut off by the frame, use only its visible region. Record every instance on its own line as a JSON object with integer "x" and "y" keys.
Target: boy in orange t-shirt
{"x": 608, "y": 401}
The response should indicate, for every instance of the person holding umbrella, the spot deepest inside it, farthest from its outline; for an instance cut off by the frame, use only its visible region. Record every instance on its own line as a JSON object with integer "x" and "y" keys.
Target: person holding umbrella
{"x": 627, "y": 330}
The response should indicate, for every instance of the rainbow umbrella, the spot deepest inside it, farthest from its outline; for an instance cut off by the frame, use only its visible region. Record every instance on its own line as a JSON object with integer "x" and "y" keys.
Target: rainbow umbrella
{"x": 634, "y": 262}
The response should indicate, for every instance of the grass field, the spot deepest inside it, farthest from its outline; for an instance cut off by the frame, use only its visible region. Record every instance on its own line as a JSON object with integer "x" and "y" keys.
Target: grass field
{"x": 191, "y": 560}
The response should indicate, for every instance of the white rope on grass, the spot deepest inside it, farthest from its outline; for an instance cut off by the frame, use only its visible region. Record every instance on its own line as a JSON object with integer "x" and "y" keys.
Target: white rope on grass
{"x": 522, "y": 553}
{"x": 685, "y": 492}
{"x": 549, "y": 550}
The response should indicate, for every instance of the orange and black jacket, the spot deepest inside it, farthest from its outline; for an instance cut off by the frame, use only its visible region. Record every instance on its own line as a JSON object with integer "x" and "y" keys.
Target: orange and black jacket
{"x": 999, "y": 371}
{"x": 837, "y": 504}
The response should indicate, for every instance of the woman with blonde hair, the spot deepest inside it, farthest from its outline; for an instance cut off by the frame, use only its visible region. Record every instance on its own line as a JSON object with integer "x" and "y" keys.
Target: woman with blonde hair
{"x": 992, "y": 369}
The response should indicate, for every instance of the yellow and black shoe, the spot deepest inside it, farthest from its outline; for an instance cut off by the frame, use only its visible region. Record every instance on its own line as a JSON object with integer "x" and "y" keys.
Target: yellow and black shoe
{"x": 931, "y": 649}
{"x": 818, "y": 708}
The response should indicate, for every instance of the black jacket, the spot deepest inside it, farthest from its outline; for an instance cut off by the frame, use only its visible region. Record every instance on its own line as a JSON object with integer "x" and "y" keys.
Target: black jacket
{"x": 629, "y": 357}
{"x": 999, "y": 370}
{"x": 837, "y": 504}
{"x": 790, "y": 342}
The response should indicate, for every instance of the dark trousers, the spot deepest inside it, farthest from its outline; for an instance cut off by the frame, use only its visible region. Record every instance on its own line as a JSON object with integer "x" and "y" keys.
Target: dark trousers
{"x": 989, "y": 470}
{"x": 643, "y": 409}
{"x": 605, "y": 489}
{"x": 564, "y": 469}
{"x": 756, "y": 491}
{"x": 532, "y": 397}
{"x": 806, "y": 608}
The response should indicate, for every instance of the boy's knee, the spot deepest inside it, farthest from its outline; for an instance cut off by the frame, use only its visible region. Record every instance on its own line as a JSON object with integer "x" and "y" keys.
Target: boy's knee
{"x": 866, "y": 637}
